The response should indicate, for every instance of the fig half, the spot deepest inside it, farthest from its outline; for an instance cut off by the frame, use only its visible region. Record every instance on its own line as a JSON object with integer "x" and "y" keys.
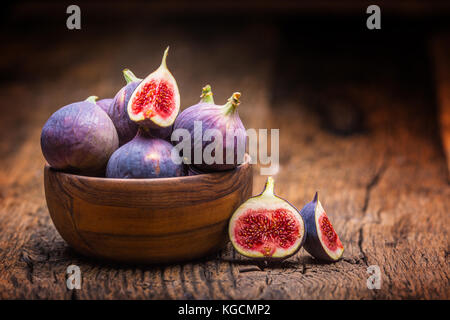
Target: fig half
{"x": 322, "y": 241}
{"x": 155, "y": 102}
{"x": 267, "y": 227}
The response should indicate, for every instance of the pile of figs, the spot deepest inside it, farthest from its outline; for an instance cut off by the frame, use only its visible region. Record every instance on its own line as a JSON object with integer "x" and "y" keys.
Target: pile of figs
{"x": 129, "y": 136}
{"x": 132, "y": 137}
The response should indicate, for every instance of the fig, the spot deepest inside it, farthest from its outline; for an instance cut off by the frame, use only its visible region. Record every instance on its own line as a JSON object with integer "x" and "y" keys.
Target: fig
{"x": 79, "y": 138}
{"x": 163, "y": 132}
{"x": 226, "y": 154}
{"x": 117, "y": 111}
{"x": 267, "y": 227}
{"x": 156, "y": 101}
{"x": 322, "y": 241}
{"x": 104, "y": 104}
{"x": 143, "y": 157}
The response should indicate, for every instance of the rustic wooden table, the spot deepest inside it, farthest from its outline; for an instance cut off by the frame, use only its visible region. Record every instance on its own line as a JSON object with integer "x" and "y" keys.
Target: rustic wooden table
{"x": 384, "y": 185}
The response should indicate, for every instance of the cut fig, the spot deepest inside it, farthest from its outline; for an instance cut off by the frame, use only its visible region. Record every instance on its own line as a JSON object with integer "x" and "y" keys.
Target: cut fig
{"x": 155, "y": 102}
{"x": 267, "y": 227}
{"x": 322, "y": 241}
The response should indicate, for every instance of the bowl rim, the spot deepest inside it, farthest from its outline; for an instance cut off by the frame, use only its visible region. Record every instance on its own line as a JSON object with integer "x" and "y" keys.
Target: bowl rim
{"x": 243, "y": 165}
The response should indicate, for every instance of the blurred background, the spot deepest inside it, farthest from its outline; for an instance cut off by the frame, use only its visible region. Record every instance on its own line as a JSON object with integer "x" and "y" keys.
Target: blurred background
{"x": 305, "y": 67}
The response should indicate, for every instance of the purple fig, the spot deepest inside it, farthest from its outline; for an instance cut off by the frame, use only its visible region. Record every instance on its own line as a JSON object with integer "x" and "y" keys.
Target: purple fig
{"x": 213, "y": 118}
{"x": 193, "y": 171}
{"x": 104, "y": 104}
{"x": 322, "y": 241}
{"x": 117, "y": 111}
{"x": 79, "y": 137}
{"x": 143, "y": 157}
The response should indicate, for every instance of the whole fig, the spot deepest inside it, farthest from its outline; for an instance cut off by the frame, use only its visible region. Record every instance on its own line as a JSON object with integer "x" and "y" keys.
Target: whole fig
{"x": 143, "y": 157}
{"x": 117, "y": 111}
{"x": 105, "y": 103}
{"x": 79, "y": 138}
{"x": 206, "y": 122}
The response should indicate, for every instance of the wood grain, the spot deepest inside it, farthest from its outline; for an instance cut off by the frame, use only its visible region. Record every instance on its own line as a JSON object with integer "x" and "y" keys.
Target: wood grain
{"x": 384, "y": 188}
{"x": 146, "y": 220}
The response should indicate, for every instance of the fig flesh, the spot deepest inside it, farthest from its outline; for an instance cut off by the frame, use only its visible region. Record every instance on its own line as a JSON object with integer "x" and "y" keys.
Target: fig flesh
{"x": 156, "y": 101}
{"x": 226, "y": 153}
{"x": 143, "y": 157}
{"x": 79, "y": 138}
{"x": 117, "y": 111}
{"x": 267, "y": 227}
{"x": 322, "y": 241}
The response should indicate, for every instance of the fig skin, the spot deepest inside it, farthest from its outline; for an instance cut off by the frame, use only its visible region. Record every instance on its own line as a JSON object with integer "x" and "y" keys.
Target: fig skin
{"x": 117, "y": 111}
{"x": 105, "y": 103}
{"x": 79, "y": 138}
{"x": 264, "y": 201}
{"x": 313, "y": 245}
{"x": 221, "y": 118}
{"x": 143, "y": 157}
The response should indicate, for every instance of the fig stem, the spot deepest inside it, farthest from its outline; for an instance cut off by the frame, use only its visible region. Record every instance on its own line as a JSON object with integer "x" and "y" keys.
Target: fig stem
{"x": 92, "y": 99}
{"x": 163, "y": 62}
{"x": 207, "y": 95}
{"x": 270, "y": 184}
{"x": 129, "y": 76}
{"x": 232, "y": 103}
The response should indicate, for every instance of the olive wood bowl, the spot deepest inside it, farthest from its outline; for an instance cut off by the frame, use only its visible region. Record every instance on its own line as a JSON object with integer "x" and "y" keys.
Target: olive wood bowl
{"x": 146, "y": 220}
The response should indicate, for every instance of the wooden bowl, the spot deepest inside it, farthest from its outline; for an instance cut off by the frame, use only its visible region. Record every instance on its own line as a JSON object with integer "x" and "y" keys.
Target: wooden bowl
{"x": 146, "y": 220}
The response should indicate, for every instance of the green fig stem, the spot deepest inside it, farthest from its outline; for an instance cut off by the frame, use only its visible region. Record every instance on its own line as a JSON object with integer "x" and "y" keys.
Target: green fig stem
{"x": 232, "y": 103}
{"x": 207, "y": 95}
{"x": 92, "y": 99}
{"x": 163, "y": 62}
{"x": 270, "y": 184}
{"x": 129, "y": 76}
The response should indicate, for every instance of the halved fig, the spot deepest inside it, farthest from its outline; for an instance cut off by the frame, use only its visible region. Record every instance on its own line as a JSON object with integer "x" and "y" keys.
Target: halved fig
{"x": 322, "y": 241}
{"x": 155, "y": 103}
{"x": 267, "y": 227}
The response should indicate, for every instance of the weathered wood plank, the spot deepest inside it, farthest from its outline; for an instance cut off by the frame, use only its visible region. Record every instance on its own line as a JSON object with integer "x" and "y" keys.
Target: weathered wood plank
{"x": 384, "y": 188}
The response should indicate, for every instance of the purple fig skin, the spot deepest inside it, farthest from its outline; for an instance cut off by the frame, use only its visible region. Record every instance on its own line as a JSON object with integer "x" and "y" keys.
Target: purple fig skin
{"x": 213, "y": 117}
{"x": 312, "y": 244}
{"x": 162, "y": 133}
{"x": 104, "y": 104}
{"x": 117, "y": 111}
{"x": 143, "y": 157}
{"x": 79, "y": 138}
